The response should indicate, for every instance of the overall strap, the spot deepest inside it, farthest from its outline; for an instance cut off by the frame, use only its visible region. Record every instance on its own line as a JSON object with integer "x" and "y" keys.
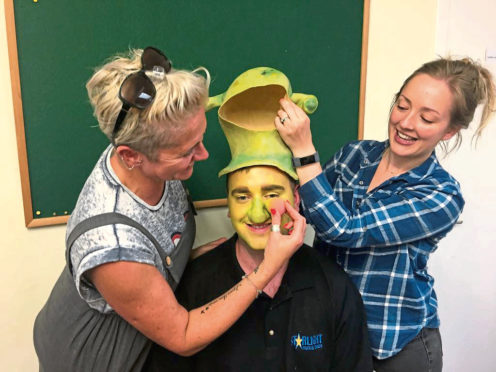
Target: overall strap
{"x": 190, "y": 200}
{"x": 102, "y": 220}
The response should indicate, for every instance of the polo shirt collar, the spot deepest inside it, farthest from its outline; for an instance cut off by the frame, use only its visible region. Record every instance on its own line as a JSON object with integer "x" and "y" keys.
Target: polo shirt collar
{"x": 298, "y": 275}
{"x": 296, "y": 278}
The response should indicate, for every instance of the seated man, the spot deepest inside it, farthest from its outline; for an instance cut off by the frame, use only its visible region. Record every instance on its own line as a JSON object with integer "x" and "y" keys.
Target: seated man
{"x": 309, "y": 317}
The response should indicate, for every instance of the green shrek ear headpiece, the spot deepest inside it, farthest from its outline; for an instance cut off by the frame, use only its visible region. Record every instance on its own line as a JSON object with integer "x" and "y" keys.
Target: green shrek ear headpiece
{"x": 246, "y": 115}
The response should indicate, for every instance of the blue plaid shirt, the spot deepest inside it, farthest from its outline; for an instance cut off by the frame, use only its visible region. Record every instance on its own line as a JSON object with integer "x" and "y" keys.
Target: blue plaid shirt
{"x": 383, "y": 238}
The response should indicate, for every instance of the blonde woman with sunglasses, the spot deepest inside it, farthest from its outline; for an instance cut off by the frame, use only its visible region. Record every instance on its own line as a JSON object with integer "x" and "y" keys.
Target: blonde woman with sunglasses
{"x": 132, "y": 230}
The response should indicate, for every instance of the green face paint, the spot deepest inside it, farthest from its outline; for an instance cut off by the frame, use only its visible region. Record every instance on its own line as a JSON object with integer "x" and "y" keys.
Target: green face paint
{"x": 252, "y": 192}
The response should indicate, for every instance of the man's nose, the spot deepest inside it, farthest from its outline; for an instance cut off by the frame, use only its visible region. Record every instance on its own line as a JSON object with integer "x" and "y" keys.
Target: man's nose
{"x": 258, "y": 212}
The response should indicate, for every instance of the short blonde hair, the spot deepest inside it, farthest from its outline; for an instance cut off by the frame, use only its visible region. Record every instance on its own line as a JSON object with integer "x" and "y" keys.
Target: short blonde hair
{"x": 180, "y": 94}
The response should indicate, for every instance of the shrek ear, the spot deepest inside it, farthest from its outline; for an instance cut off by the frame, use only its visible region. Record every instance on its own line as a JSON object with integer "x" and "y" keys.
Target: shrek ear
{"x": 308, "y": 102}
{"x": 215, "y": 101}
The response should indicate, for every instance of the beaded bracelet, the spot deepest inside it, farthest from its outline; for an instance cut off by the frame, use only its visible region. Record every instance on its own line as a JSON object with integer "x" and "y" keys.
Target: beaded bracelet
{"x": 259, "y": 292}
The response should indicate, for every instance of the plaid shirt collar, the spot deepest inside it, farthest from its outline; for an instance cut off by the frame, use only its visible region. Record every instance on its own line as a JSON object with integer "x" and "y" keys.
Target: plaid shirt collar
{"x": 373, "y": 156}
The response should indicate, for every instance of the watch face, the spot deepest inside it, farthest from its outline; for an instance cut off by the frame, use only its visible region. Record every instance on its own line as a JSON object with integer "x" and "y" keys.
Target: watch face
{"x": 308, "y": 160}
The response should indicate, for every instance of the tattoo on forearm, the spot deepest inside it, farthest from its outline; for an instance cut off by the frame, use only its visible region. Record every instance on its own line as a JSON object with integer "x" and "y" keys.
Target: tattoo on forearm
{"x": 221, "y": 298}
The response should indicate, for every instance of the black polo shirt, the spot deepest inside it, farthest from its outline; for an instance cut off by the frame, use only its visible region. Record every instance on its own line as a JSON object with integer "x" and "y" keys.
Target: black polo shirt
{"x": 315, "y": 322}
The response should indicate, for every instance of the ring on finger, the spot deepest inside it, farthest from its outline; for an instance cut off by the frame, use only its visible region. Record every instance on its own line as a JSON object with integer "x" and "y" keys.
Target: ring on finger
{"x": 284, "y": 119}
{"x": 275, "y": 228}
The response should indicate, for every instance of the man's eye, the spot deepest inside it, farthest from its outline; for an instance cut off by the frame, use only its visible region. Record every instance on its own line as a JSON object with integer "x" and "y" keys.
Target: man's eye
{"x": 272, "y": 195}
{"x": 241, "y": 198}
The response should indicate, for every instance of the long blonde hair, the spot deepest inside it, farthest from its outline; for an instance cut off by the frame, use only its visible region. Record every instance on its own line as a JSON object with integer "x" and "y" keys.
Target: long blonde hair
{"x": 179, "y": 95}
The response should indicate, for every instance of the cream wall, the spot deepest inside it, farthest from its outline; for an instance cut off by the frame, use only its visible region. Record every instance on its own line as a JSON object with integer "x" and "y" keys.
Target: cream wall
{"x": 402, "y": 35}
{"x": 401, "y": 38}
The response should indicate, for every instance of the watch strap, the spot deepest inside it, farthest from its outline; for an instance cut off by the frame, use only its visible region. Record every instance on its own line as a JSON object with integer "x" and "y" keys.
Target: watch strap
{"x": 305, "y": 160}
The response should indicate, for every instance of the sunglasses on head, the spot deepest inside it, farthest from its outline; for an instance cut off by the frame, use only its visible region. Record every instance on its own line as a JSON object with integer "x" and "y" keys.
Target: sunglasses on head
{"x": 137, "y": 90}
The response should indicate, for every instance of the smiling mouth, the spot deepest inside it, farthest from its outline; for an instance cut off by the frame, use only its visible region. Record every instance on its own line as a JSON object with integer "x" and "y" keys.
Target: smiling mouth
{"x": 259, "y": 228}
{"x": 404, "y": 137}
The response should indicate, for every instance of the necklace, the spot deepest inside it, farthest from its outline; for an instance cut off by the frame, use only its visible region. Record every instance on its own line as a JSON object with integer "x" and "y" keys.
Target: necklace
{"x": 387, "y": 162}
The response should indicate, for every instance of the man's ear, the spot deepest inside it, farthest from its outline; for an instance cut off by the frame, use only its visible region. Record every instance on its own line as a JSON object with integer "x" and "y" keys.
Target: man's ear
{"x": 296, "y": 195}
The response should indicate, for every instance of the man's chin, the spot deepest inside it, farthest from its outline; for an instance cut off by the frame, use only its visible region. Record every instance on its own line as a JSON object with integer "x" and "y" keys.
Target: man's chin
{"x": 257, "y": 244}
{"x": 258, "y": 248}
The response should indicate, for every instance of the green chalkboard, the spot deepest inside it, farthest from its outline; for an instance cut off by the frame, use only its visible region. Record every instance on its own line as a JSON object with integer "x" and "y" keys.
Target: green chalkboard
{"x": 316, "y": 43}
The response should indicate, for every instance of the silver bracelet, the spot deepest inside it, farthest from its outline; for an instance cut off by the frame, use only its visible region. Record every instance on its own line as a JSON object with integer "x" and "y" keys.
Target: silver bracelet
{"x": 259, "y": 292}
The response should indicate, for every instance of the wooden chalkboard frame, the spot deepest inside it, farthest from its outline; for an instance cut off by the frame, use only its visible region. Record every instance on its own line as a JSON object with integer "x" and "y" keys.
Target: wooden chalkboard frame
{"x": 30, "y": 220}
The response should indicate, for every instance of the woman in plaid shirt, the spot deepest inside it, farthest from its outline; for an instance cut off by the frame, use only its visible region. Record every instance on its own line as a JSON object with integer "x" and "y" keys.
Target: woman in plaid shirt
{"x": 380, "y": 208}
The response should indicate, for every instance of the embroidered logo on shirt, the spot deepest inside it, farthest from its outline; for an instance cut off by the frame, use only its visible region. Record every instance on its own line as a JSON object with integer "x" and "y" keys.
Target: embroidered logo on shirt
{"x": 175, "y": 238}
{"x": 312, "y": 342}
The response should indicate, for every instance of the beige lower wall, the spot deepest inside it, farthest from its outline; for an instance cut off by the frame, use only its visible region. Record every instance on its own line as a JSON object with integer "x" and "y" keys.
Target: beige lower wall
{"x": 402, "y": 35}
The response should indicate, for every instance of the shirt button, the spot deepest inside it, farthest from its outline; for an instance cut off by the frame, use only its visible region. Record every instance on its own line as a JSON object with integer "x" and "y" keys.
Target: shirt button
{"x": 365, "y": 162}
{"x": 360, "y": 183}
{"x": 271, "y": 332}
{"x": 168, "y": 260}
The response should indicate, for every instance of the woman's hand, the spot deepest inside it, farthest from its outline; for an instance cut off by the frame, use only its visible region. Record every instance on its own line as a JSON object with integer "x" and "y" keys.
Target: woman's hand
{"x": 281, "y": 247}
{"x": 293, "y": 125}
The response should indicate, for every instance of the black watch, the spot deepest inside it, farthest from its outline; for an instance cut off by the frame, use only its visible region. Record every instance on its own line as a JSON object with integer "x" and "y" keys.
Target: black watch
{"x": 305, "y": 160}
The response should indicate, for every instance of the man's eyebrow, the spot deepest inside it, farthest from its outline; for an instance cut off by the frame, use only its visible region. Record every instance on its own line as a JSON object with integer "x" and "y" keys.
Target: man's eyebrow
{"x": 265, "y": 188}
{"x": 240, "y": 190}
{"x": 273, "y": 188}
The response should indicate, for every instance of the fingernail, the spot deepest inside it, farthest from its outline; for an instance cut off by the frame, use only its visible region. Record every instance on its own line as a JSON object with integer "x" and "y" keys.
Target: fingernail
{"x": 273, "y": 211}
{"x": 286, "y": 225}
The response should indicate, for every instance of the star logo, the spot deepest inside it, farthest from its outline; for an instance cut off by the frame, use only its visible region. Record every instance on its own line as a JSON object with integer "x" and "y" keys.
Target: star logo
{"x": 298, "y": 341}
